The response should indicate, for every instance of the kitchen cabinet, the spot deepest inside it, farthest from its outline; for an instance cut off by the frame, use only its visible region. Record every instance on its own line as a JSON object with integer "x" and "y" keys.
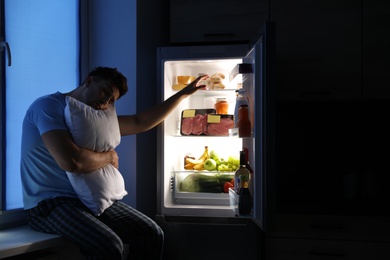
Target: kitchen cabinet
{"x": 314, "y": 249}
{"x": 376, "y": 51}
{"x": 332, "y": 227}
{"x": 216, "y": 20}
{"x": 331, "y": 180}
{"x": 328, "y": 237}
{"x": 318, "y": 48}
{"x": 332, "y": 157}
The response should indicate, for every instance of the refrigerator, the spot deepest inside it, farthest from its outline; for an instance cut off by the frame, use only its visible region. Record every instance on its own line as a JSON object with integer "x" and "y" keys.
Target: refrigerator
{"x": 203, "y": 224}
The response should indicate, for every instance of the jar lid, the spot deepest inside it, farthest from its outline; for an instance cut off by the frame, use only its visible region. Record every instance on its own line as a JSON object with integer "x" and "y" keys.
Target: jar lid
{"x": 221, "y": 99}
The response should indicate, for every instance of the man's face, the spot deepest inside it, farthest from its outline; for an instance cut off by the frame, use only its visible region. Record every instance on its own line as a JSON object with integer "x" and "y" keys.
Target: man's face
{"x": 101, "y": 93}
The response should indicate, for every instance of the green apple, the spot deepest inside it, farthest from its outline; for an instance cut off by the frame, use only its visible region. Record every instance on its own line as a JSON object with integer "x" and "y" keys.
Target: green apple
{"x": 214, "y": 155}
{"x": 210, "y": 164}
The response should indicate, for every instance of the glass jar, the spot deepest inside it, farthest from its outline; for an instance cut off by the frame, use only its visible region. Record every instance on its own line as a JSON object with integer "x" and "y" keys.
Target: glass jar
{"x": 221, "y": 106}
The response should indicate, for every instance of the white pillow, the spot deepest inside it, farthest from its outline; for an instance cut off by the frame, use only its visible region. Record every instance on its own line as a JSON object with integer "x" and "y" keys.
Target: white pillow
{"x": 97, "y": 130}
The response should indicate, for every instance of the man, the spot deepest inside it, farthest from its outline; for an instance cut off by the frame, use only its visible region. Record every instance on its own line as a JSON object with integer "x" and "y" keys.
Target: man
{"x": 48, "y": 152}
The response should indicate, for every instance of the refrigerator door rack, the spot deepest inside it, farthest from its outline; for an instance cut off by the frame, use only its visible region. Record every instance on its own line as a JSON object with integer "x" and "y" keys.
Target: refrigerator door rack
{"x": 241, "y": 70}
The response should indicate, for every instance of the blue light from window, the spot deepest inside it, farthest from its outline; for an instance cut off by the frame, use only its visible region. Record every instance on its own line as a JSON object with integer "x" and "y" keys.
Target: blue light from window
{"x": 44, "y": 39}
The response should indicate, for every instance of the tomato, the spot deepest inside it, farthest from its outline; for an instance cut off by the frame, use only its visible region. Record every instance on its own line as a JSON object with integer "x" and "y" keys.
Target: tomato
{"x": 226, "y": 186}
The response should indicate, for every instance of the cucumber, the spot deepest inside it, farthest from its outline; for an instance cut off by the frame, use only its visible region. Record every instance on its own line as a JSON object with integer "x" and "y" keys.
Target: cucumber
{"x": 225, "y": 177}
{"x": 205, "y": 180}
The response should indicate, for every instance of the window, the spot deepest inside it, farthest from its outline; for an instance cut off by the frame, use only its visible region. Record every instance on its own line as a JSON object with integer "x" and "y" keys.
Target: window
{"x": 44, "y": 39}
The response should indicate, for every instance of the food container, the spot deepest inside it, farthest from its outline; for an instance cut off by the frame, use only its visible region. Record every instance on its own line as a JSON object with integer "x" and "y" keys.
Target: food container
{"x": 219, "y": 125}
{"x": 194, "y": 121}
{"x": 205, "y": 122}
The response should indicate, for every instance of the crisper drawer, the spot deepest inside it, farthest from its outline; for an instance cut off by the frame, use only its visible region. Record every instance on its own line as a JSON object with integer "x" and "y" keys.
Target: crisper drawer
{"x": 312, "y": 249}
{"x": 201, "y": 188}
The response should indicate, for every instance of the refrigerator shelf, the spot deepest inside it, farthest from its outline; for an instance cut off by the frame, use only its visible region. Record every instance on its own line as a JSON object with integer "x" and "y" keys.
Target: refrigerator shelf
{"x": 215, "y": 92}
{"x": 232, "y": 134}
{"x": 186, "y": 172}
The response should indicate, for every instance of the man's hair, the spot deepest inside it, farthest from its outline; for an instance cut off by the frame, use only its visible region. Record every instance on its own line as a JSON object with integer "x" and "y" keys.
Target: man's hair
{"x": 112, "y": 74}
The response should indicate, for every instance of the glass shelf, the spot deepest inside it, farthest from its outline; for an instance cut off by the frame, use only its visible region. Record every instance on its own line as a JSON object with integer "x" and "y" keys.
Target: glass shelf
{"x": 209, "y": 93}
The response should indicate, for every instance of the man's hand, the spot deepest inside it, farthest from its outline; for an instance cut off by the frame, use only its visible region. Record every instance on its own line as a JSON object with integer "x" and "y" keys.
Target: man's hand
{"x": 72, "y": 158}
{"x": 193, "y": 86}
{"x": 115, "y": 158}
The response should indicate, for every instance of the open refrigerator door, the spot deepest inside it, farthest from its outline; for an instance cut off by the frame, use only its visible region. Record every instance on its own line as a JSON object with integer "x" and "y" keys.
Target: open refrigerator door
{"x": 189, "y": 214}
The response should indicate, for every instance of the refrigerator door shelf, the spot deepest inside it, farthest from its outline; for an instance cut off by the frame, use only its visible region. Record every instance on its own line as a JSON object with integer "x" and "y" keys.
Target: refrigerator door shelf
{"x": 242, "y": 68}
{"x": 233, "y": 199}
{"x": 200, "y": 198}
{"x": 233, "y": 196}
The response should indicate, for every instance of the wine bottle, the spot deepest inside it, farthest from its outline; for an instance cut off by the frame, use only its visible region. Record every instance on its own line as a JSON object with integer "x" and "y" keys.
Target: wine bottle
{"x": 250, "y": 169}
{"x": 244, "y": 201}
{"x": 242, "y": 180}
{"x": 242, "y": 175}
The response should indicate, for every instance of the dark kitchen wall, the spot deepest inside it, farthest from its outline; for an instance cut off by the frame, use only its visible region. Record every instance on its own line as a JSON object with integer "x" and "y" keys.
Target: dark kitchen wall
{"x": 111, "y": 42}
{"x": 152, "y": 32}
{"x": 125, "y": 34}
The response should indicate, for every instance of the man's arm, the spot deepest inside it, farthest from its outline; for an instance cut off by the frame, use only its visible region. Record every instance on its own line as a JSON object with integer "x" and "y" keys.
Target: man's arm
{"x": 151, "y": 117}
{"x": 72, "y": 158}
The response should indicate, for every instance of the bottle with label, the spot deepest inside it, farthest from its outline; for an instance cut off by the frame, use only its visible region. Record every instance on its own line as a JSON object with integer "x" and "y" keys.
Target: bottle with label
{"x": 250, "y": 169}
{"x": 241, "y": 99}
{"x": 242, "y": 174}
{"x": 221, "y": 106}
{"x": 241, "y": 186}
{"x": 244, "y": 124}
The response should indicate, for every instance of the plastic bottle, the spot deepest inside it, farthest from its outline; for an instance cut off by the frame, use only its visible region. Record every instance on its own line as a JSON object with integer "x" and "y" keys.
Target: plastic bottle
{"x": 244, "y": 124}
{"x": 241, "y": 99}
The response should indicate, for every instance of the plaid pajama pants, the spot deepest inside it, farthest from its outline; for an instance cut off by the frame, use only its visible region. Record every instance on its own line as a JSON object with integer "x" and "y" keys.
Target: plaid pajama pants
{"x": 100, "y": 237}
